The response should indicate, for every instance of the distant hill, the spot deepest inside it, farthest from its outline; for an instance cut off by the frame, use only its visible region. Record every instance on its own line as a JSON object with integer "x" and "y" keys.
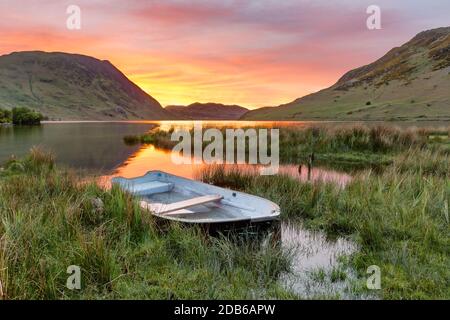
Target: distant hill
{"x": 409, "y": 82}
{"x": 207, "y": 111}
{"x": 66, "y": 86}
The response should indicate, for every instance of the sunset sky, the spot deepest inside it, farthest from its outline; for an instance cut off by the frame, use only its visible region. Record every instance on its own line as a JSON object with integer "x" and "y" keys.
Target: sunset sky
{"x": 252, "y": 53}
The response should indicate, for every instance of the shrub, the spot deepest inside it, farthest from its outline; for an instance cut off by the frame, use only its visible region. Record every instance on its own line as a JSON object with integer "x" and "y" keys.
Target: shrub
{"x": 25, "y": 116}
{"x": 131, "y": 140}
{"x": 5, "y": 116}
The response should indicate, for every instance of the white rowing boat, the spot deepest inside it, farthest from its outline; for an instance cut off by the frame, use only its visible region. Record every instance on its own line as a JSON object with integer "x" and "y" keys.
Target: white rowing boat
{"x": 175, "y": 198}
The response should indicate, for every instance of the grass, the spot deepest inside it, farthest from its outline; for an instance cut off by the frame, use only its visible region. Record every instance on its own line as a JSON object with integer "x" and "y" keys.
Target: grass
{"x": 399, "y": 218}
{"x": 157, "y": 137}
{"x": 50, "y": 219}
{"x": 343, "y": 147}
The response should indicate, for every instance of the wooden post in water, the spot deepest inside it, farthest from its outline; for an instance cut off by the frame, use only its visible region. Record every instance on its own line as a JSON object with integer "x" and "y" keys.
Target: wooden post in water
{"x": 315, "y": 134}
{"x": 310, "y": 164}
{"x": 309, "y": 168}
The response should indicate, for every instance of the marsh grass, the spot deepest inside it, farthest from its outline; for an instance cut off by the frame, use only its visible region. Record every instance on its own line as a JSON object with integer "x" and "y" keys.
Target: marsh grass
{"x": 398, "y": 218}
{"x": 341, "y": 147}
{"x": 49, "y": 221}
{"x": 157, "y": 137}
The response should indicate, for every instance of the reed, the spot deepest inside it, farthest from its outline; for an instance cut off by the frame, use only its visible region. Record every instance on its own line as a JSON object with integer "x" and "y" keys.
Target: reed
{"x": 343, "y": 147}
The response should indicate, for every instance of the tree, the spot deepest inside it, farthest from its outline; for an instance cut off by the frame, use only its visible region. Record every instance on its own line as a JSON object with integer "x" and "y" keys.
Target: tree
{"x": 5, "y": 116}
{"x": 25, "y": 116}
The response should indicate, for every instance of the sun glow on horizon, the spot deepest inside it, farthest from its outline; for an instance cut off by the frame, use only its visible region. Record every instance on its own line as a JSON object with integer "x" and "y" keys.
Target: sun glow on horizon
{"x": 186, "y": 94}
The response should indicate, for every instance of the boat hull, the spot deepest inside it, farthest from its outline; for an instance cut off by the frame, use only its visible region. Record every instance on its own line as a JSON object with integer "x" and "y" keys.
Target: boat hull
{"x": 234, "y": 230}
{"x": 172, "y": 198}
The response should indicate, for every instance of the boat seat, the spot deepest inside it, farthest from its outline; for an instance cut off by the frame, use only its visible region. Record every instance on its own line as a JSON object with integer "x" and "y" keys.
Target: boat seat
{"x": 166, "y": 208}
{"x": 151, "y": 187}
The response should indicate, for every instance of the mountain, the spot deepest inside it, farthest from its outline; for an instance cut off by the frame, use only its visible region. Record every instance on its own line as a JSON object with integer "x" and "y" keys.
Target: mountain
{"x": 409, "y": 82}
{"x": 207, "y": 111}
{"x": 66, "y": 86}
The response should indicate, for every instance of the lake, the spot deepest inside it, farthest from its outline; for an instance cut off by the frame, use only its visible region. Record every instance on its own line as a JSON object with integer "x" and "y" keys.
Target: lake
{"x": 98, "y": 147}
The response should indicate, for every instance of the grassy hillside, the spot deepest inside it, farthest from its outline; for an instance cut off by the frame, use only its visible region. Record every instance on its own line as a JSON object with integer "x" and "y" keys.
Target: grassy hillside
{"x": 409, "y": 82}
{"x": 207, "y": 111}
{"x": 72, "y": 87}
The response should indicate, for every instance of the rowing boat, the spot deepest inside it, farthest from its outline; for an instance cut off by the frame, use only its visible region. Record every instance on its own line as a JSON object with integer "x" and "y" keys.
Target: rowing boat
{"x": 184, "y": 200}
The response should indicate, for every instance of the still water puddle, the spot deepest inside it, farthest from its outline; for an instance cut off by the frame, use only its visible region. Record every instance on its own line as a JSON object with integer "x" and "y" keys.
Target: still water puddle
{"x": 317, "y": 174}
{"x": 315, "y": 268}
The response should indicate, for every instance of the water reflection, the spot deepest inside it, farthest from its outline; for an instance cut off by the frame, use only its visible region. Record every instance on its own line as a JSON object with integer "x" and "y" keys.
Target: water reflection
{"x": 317, "y": 174}
{"x": 95, "y": 147}
{"x": 149, "y": 158}
{"x": 98, "y": 146}
{"x": 315, "y": 269}
{"x": 314, "y": 258}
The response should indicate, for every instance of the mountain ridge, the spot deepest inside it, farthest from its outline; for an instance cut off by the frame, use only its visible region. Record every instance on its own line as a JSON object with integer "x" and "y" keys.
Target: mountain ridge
{"x": 67, "y": 86}
{"x": 207, "y": 111}
{"x": 409, "y": 82}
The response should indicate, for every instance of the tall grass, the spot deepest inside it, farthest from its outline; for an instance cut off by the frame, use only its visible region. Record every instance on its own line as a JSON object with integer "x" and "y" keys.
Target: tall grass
{"x": 50, "y": 220}
{"x": 424, "y": 162}
{"x": 339, "y": 146}
{"x": 398, "y": 217}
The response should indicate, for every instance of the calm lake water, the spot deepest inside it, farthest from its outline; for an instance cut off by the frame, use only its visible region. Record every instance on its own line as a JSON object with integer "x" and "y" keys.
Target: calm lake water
{"x": 98, "y": 147}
